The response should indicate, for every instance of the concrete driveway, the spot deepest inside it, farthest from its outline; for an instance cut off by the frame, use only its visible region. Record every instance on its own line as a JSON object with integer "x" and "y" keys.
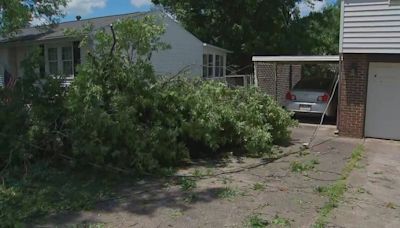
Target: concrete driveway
{"x": 373, "y": 196}
{"x": 248, "y": 189}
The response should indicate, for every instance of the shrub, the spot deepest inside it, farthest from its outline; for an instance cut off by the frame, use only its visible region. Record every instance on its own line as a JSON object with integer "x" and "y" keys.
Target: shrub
{"x": 33, "y": 115}
{"x": 118, "y": 112}
{"x": 217, "y": 117}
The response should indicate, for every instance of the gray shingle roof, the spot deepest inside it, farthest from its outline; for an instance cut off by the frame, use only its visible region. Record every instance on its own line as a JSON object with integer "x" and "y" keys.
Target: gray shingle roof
{"x": 35, "y": 33}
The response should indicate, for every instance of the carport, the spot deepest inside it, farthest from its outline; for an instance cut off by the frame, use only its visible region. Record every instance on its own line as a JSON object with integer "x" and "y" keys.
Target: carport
{"x": 276, "y": 75}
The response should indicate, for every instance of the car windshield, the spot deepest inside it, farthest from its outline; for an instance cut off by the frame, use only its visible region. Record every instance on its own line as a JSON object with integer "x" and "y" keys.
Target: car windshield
{"x": 314, "y": 84}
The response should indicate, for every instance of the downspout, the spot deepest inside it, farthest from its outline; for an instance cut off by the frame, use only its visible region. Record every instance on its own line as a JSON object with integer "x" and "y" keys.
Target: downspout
{"x": 340, "y": 77}
{"x": 340, "y": 63}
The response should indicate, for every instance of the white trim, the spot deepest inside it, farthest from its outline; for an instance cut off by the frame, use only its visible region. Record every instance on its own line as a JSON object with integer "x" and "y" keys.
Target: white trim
{"x": 217, "y": 48}
{"x": 59, "y": 47}
{"x": 255, "y": 76}
{"x": 322, "y": 58}
{"x": 341, "y": 26}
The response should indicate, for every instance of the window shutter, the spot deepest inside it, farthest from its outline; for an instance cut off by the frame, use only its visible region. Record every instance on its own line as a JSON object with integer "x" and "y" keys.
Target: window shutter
{"x": 77, "y": 55}
{"x": 42, "y": 69}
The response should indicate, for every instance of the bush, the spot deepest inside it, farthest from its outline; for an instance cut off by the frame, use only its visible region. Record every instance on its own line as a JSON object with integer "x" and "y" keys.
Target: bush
{"x": 117, "y": 112}
{"x": 32, "y": 116}
{"x": 217, "y": 117}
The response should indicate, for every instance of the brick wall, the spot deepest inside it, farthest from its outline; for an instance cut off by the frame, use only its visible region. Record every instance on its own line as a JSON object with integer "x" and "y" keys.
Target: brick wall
{"x": 265, "y": 73}
{"x": 282, "y": 82}
{"x": 352, "y": 97}
{"x": 353, "y": 91}
{"x": 296, "y": 74}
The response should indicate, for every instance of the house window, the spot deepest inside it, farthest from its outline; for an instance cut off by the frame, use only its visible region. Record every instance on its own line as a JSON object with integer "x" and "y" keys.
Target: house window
{"x": 219, "y": 66}
{"x": 205, "y": 66}
{"x": 210, "y": 66}
{"x": 67, "y": 61}
{"x": 222, "y": 66}
{"x": 60, "y": 60}
{"x": 52, "y": 57}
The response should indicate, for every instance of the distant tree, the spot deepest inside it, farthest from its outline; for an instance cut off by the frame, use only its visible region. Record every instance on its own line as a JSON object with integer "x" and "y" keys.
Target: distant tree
{"x": 249, "y": 27}
{"x": 318, "y": 33}
{"x": 16, "y": 14}
{"x": 242, "y": 26}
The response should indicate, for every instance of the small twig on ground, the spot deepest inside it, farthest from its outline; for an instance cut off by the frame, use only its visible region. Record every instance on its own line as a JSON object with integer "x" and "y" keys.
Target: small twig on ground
{"x": 318, "y": 179}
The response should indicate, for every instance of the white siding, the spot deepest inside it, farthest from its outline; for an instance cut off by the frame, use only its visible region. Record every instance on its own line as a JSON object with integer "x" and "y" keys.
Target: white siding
{"x": 186, "y": 52}
{"x": 370, "y": 26}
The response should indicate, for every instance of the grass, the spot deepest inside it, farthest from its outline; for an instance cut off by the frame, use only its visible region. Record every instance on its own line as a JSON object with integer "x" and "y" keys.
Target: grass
{"x": 256, "y": 221}
{"x": 197, "y": 173}
{"x": 259, "y": 187}
{"x": 228, "y": 193}
{"x": 226, "y": 180}
{"x": 47, "y": 191}
{"x": 336, "y": 191}
{"x": 281, "y": 222}
{"x": 187, "y": 184}
{"x": 299, "y": 167}
{"x": 176, "y": 213}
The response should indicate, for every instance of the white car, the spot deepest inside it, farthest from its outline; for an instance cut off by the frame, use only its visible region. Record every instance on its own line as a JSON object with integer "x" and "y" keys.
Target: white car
{"x": 311, "y": 96}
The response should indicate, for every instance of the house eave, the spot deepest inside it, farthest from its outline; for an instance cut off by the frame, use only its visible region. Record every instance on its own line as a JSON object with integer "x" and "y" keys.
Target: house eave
{"x": 217, "y": 48}
{"x": 298, "y": 59}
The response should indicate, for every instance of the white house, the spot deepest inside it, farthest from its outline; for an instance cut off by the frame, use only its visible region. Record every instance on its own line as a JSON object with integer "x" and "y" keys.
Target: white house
{"x": 62, "y": 53}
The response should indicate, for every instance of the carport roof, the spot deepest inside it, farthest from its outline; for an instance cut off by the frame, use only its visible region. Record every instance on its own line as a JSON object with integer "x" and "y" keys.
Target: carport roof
{"x": 298, "y": 59}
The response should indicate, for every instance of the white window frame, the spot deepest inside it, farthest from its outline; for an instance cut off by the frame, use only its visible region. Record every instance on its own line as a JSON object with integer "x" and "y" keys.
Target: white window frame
{"x": 207, "y": 66}
{"x": 60, "y": 61}
{"x": 220, "y": 68}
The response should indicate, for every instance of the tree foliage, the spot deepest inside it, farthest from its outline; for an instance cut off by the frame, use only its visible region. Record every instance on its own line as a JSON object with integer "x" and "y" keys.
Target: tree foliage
{"x": 245, "y": 27}
{"x": 269, "y": 27}
{"x": 17, "y": 14}
{"x": 118, "y": 113}
{"x": 317, "y": 33}
{"x": 121, "y": 114}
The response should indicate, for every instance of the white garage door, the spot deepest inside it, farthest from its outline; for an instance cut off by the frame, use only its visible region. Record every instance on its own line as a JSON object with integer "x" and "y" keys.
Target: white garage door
{"x": 383, "y": 101}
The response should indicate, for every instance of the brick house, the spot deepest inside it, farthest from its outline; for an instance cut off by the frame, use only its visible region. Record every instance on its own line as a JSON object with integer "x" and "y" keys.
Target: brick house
{"x": 370, "y": 80}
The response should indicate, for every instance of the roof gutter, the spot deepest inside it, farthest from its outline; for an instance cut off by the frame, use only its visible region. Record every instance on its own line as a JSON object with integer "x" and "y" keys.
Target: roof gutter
{"x": 297, "y": 59}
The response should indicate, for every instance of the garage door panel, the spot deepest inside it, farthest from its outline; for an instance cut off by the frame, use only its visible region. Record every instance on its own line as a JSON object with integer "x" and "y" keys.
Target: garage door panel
{"x": 383, "y": 101}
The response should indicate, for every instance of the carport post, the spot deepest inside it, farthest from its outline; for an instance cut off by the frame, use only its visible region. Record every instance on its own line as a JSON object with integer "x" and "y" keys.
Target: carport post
{"x": 255, "y": 76}
{"x": 276, "y": 81}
